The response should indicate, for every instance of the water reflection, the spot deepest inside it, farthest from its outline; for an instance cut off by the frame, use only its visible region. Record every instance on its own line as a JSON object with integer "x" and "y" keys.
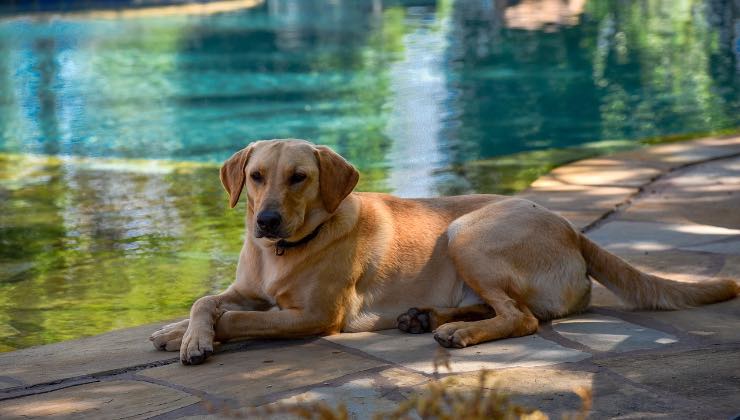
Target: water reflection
{"x": 477, "y": 78}
{"x": 88, "y": 247}
{"x": 417, "y": 104}
{"x": 424, "y": 96}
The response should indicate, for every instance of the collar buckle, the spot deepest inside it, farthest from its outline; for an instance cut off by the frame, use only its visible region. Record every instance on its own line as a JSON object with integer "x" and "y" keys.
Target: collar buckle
{"x": 282, "y": 244}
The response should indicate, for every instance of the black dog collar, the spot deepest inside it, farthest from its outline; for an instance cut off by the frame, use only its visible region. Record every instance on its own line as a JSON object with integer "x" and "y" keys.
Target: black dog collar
{"x": 282, "y": 244}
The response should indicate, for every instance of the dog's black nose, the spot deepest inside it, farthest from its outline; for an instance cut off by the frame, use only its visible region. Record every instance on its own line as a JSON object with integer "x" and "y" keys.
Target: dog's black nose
{"x": 269, "y": 220}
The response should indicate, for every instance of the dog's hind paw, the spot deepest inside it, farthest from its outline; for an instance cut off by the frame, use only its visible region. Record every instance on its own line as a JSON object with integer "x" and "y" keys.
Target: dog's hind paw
{"x": 415, "y": 321}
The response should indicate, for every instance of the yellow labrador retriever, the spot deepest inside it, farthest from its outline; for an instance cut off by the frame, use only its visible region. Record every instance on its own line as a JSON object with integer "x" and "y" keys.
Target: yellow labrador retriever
{"x": 319, "y": 259}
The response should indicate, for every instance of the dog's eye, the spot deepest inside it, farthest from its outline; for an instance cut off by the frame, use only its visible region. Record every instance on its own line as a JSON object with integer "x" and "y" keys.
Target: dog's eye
{"x": 256, "y": 177}
{"x": 297, "y": 178}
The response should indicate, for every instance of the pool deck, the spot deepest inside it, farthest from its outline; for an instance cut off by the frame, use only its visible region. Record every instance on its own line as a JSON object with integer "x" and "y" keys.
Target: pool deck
{"x": 671, "y": 209}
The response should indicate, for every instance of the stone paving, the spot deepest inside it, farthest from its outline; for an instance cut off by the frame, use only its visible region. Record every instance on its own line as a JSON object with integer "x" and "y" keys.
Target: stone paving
{"x": 671, "y": 209}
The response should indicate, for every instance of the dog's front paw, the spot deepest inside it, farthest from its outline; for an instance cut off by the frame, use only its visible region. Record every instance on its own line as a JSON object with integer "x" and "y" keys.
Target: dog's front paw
{"x": 453, "y": 335}
{"x": 197, "y": 345}
{"x": 169, "y": 337}
{"x": 415, "y": 321}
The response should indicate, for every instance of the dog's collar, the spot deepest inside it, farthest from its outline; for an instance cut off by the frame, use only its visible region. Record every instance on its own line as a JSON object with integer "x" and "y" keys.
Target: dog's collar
{"x": 282, "y": 244}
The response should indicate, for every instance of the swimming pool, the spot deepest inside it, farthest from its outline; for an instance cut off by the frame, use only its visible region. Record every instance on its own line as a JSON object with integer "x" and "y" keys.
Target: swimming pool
{"x": 111, "y": 130}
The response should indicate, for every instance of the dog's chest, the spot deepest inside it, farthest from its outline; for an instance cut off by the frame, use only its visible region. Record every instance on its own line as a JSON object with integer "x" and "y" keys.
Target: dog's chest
{"x": 273, "y": 275}
{"x": 278, "y": 278}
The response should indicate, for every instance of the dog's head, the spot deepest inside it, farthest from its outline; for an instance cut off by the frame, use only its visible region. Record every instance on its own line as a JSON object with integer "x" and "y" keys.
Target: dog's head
{"x": 290, "y": 183}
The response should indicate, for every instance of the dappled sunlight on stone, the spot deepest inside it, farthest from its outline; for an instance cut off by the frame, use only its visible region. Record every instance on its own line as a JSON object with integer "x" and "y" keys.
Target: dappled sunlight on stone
{"x": 604, "y": 172}
{"x": 53, "y": 362}
{"x": 705, "y": 230}
{"x": 603, "y": 333}
{"x": 249, "y": 375}
{"x": 362, "y": 397}
{"x": 640, "y": 246}
{"x": 677, "y": 264}
{"x": 682, "y": 153}
{"x": 418, "y": 351}
{"x": 58, "y": 407}
{"x": 116, "y": 399}
{"x": 621, "y": 236}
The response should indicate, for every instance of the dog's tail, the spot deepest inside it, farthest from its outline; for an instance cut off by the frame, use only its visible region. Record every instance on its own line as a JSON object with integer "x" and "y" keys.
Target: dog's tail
{"x": 646, "y": 291}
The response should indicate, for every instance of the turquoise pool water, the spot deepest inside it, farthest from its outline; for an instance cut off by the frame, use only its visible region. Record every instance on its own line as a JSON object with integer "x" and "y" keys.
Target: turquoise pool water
{"x": 403, "y": 87}
{"x": 409, "y": 91}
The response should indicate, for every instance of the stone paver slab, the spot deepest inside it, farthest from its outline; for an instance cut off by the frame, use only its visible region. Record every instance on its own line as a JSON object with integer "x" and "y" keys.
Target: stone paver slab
{"x": 577, "y": 208}
{"x": 717, "y": 322}
{"x": 103, "y": 400}
{"x": 558, "y": 196}
{"x": 605, "y": 333}
{"x": 581, "y": 219}
{"x": 705, "y": 194}
{"x": 676, "y": 154}
{"x": 101, "y": 353}
{"x": 580, "y": 204}
{"x": 8, "y": 382}
{"x": 552, "y": 392}
{"x": 730, "y": 246}
{"x": 708, "y": 379}
{"x": 248, "y": 376}
{"x": 677, "y": 264}
{"x": 418, "y": 351}
{"x": 623, "y": 236}
{"x": 715, "y": 209}
{"x": 603, "y": 172}
{"x": 363, "y": 397}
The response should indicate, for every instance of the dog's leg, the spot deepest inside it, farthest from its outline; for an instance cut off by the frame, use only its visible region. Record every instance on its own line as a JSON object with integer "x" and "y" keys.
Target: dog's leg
{"x": 197, "y": 342}
{"x": 170, "y": 337}
{"x": 511, "y": 320}
{"x": 421, "y": 320}
{"x": 284, "y": 323}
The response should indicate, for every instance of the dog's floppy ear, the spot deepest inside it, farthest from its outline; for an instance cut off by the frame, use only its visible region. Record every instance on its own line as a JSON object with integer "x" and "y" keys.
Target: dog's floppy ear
{"x": 337, "y": 178}
{"x": 232, "y": 174}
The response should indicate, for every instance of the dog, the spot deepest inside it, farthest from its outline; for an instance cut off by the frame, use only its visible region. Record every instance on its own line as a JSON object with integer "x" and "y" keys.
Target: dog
{"x": 319, "y": 259}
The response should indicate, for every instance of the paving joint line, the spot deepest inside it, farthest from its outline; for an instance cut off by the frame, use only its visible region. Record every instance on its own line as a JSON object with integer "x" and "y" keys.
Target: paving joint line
{"x": 205, "y": 396}
{"x": 45, "y": 387}
{"x": 360, "y": 353}
{"x": 642, "y": 190}
{"x": 54, "y": 385}
{"x": 331, "y": 383}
